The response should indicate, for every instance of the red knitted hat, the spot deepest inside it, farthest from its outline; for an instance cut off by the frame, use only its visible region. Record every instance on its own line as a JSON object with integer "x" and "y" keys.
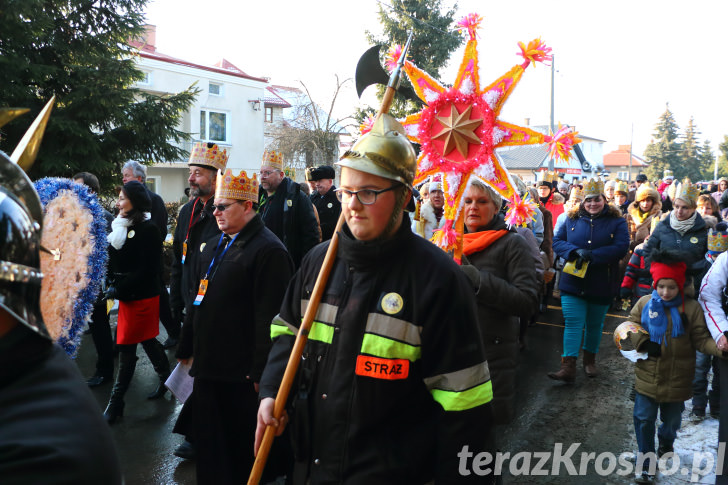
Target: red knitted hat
{"x": 675, "y": 271}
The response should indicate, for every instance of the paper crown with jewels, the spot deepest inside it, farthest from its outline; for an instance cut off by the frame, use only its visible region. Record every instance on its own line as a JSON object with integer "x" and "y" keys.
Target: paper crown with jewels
{"x": 273, "y": 159}
{"x": 593, "y": 188}
{"x": 621, "y": 186}
{"x": 667, "y": 174}
{"x": 435, "y": 183}
{"x": 687, "y": 192}
{"x": 241, "y": 187}
{"x": 546, "y": 176}
{"x": 576, "y": 193}
{"x": 718, "y": 239}
{"x": 208, "y": 155}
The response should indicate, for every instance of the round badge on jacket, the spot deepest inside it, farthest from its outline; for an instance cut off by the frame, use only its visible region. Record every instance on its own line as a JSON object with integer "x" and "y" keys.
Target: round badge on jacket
{"x": 694, "y": 240}
{"x": 202, "y": 246}
{"x": 329, "y": 205}
{"x": 130, "y": 234}
{"x": 392, "y": 303}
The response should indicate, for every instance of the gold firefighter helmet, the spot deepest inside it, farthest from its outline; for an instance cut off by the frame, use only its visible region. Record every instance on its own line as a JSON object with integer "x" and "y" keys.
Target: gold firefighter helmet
{"x": 384, "y": 151}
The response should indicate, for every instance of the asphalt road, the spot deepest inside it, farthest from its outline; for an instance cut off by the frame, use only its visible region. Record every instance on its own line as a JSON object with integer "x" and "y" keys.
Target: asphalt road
{"x": 594, "y": 412}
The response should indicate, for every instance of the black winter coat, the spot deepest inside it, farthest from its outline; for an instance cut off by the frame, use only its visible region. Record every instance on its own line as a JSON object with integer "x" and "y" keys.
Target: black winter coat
{"x": 51, "y": 428}
{"x": 329, "y": 208}
{"x": 135, "y": 269}
{"x": 394, "y": 380}
{"x": 158, "y": 213}
{"x": 228, "y": 334}
{"x": 298, "y": 230}
{"x": 692, "y": 245}
{"x": 184, "y": 280}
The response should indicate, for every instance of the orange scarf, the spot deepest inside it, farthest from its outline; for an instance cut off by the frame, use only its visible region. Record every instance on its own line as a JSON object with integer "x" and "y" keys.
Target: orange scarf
{"x": 477, "y": 241}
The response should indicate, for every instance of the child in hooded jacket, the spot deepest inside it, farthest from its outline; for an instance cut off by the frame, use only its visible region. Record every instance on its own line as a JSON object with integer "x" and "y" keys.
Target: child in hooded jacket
{"x": 675, "y": 328}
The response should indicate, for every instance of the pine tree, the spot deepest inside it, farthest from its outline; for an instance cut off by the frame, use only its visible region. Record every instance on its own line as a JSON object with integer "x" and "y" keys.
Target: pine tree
{"x": 692, "y": 165}
{"x": 433, "y": 41}
{"x": 723, "y": 157}
{"x": 707, "y": 160}
{"x": 663, "y": 152}
{"x": 78, "y": 50}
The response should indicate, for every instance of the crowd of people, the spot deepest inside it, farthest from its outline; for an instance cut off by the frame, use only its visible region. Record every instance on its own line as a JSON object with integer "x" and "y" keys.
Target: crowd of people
{"x": 390, "y": 389}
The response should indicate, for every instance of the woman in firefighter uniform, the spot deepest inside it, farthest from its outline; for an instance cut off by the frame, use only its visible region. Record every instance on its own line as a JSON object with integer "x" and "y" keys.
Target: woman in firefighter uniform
{"x": 394, "y": 386}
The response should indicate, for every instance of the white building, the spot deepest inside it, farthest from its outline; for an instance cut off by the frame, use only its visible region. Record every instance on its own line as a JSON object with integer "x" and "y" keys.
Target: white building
{"x": 228, "y": 111}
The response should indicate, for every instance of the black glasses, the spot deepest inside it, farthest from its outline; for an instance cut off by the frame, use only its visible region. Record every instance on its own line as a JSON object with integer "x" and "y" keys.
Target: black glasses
{"x": 222, "y": 207}
{"x": 365, "y": 196}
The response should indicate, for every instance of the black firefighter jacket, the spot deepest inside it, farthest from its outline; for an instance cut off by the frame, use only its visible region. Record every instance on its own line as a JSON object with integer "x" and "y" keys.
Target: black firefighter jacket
{"x": 393, "y": 382}
{"x": 329, "y": 208}
{"x": 229, "y": 332}
{"x": 184, "y": 282}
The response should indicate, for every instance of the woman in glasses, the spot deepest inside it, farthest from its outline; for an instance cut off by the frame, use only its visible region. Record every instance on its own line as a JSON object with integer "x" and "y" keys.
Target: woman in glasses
{"x": 135, "y": 248}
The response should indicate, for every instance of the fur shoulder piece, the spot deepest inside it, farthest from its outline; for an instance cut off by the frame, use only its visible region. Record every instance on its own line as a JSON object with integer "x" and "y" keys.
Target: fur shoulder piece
{"x": 710, "y": 221}
{"x": 427, "y": 212}
{"x": 557, "y": 199}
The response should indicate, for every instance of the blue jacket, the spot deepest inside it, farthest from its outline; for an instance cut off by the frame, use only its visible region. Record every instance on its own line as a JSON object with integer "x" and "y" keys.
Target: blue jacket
{"x": 607, "y": 237}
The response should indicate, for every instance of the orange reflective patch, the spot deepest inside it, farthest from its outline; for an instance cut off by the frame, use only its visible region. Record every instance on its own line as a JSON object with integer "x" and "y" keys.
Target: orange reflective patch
{"x": 390, "y": 369}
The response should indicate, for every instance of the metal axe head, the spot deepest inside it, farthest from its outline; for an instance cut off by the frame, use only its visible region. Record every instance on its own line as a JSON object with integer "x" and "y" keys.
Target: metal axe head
{"x": 370, "y": 71}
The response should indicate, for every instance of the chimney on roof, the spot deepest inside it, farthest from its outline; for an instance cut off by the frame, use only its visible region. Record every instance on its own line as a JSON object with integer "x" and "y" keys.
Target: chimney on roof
{"x": 528, "y": 121}
{"x": 149, "y": 38}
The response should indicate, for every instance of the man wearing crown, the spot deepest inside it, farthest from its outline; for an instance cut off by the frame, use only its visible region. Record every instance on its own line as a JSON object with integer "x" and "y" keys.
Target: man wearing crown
{"x": 549, "y": 197}
{"x": 195, "y": 225}
{"x": 241, "y": 277}
{"x": 285, "y": 209}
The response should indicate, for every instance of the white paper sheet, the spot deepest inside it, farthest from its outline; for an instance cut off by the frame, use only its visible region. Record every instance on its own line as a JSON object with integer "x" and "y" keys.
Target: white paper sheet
{"x": 180, "y": 382}
{"x": 633, "y": 355}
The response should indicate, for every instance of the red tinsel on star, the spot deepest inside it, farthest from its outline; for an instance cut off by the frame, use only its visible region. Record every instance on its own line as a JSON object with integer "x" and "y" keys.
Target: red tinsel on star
{"x": 562, "y": 142}
{"x": 470, "y": 23}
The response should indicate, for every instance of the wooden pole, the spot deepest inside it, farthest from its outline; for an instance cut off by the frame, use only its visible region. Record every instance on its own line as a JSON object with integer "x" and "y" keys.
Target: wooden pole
{"x": 296, "y": 352}
{"x": 460, "y": 229}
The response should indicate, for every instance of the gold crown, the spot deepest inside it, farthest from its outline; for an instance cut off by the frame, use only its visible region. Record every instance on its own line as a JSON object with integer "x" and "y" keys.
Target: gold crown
{"x": 621, "y": 186}
{"x": 241, "y": 187}
{"x": 687, "y": 192}
{"x": 667, "y": 173}
{"x": 273, "y": 159}
{"x": 593, "y": 187}
{"x": 717, "y": 241}
{"x": 546, "y": 176}
{"x": 208, "y": 155}
{"x": 576, "y": 193}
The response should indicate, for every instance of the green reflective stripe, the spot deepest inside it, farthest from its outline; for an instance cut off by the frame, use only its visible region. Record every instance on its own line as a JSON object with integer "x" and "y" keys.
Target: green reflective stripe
{"x": 325, "y": 313}
{"x": 388, "y": 348}
{"x": 394, "y": 328}
{"x": 321, "y": 332}
{"x": 463, "y": 400}
{"x": 280, "y": 327}
{"x": 460, "y": 380}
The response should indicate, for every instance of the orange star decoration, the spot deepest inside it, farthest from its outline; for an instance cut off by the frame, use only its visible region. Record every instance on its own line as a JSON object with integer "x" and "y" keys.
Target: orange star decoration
{"x": 459, "y": 131}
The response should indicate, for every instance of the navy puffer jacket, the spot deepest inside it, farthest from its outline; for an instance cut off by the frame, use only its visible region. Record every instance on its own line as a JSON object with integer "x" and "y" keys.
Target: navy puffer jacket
{"x": 607, "y": 237}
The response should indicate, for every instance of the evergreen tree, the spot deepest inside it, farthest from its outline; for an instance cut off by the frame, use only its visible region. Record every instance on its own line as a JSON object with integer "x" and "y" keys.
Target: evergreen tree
{"x": 663, "y": 152}
{"x": 78, "y": 50}
{"x": 692, "y": 165}
{"x": 723, "y": 157}
{"x": 433, "y": 41}
{"x": 707, "y": 160}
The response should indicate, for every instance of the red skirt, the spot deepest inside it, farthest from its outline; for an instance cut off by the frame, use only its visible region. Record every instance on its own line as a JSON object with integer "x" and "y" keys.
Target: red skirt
{"x": 138, "y": 321}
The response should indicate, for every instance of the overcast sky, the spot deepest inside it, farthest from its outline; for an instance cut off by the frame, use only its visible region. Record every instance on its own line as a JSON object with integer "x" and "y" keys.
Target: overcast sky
{"x": 618, "y": 62}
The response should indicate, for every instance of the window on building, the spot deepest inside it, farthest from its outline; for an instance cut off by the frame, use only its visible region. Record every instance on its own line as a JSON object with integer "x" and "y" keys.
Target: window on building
{"x": 215, "y": 89}
{"x": 214, "y": 126}
{"x": 623, "y": 175}
{"x": 269, "y": 114}
{"x": 147, "y": 78}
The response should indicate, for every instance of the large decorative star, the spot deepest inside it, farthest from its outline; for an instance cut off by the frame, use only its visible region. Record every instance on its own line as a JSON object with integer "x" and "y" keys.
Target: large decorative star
{"x": 457, "y": 130}
{"x": 466, "y": 117}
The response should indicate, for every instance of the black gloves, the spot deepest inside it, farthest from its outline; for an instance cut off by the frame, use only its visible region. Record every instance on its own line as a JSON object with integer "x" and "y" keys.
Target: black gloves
{"x": 110, "y": 293}
{"x": 584, "y": 254}
{"x": 625, "y": 293}
{"x": 472, "y": 273}
{"x": 653, "y": 349}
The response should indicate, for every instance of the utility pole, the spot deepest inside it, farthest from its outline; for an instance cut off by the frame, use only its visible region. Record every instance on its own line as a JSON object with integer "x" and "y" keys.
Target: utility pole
{"x": 553, "y": 63}
{"x": 631, "y": 139}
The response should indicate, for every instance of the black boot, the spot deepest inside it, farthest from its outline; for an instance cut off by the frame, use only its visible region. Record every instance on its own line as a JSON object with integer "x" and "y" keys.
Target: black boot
{"x": 115, "y": 408}
{"x": 159, "y": 360}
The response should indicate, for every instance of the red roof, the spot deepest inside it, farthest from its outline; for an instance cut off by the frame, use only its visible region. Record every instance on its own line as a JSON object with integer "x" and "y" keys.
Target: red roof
{"x": 620, "y": 158}
{"x": 274, "y": 99}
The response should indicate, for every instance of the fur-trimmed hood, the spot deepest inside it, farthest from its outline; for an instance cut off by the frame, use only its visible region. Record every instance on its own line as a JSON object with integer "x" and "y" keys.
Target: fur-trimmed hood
{"x": 557, "y": 198}
{"x": 613, "y": 211}
{"x": 634, "y": 208}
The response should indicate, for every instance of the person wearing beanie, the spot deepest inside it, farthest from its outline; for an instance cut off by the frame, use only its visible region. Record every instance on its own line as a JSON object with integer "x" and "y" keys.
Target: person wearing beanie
{"x": 639, "y": 181}
{"x": 663, "y": 380}
{"x": 550, "y": 199}
{"x": 609, "y": 188}
{"x": 647, "y": 206}
{"x": 324, "y": 200}
{"x": 621, "y": 191}
{"x": 564, "y": 189}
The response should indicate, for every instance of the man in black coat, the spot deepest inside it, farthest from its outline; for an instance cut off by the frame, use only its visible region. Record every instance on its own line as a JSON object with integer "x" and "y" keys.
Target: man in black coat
{"x": 242, "y": 275}
{"x": 136, "y": 171}
{"x": 195, "y": 226}
{"x": 285, "y": 210}
{"x": 325, "y": 201}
